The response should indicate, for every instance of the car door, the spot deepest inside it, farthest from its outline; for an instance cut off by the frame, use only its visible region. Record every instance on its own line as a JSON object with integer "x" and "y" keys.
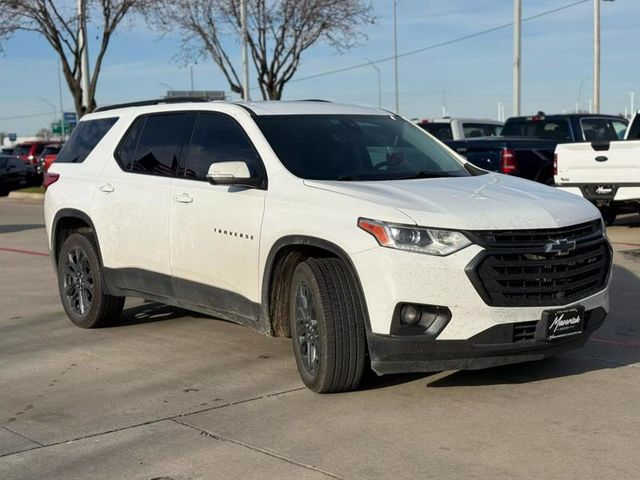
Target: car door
{"x": 131, "y": 204}
{"x": 215, "y": 229}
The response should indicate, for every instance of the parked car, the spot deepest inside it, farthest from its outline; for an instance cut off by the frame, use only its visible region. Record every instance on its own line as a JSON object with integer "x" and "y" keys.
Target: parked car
{"x": 29, "y": 152}
{"x": 448, "y": 128}
{"x": 633, "y": 132}
{"x": 346, "y": 228}
{"x": 14, "y": 174}
{"x": 527, "y": 144}
{"x": 604, "y": 172}
{"x": 48, "y": 156}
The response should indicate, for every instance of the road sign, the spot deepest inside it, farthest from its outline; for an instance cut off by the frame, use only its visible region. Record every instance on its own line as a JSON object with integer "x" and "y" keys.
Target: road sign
{"x": 56, "y": 128}
{"x": 13, "y": 137}
{"x": 70, "y": 118}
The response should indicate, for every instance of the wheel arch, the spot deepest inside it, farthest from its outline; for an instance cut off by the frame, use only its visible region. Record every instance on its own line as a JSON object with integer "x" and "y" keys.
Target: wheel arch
{"x": 284, "y": 255}
{"x": 67, "y": 221}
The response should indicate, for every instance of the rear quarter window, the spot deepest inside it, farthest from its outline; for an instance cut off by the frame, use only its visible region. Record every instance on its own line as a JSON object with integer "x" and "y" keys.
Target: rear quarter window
{"x": 84, "y": 139}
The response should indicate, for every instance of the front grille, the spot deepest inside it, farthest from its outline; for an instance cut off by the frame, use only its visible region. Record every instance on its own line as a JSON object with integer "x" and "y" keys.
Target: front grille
{"x": 524, "y": 331}
{"x": 516, "y": 269}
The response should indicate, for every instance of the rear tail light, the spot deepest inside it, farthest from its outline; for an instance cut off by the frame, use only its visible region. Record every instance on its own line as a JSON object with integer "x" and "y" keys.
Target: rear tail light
{"x": 555, "y": 164}
{"x": 49, "y": 179}
{"x": 508, "y": 162}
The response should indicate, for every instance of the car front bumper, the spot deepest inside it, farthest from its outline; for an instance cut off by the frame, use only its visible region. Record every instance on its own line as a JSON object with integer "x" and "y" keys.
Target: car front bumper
{"x": 490, "y": 348}
{"x": 624, "y": 193}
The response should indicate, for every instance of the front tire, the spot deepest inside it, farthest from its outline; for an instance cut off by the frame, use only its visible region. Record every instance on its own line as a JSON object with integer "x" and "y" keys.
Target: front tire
{"x": 81, "y": 287}
{"x": 327, "y": 326}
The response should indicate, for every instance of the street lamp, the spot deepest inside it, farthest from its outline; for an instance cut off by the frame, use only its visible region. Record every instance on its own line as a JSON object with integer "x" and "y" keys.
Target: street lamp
{"x": 379, "y": 81}
{"x": 167, "y": 86}
{"x": 580, "y": 94}
{"x": 395, "y": 51}
{"x": 596, "y": 55}
{"x": 53, "y": 107}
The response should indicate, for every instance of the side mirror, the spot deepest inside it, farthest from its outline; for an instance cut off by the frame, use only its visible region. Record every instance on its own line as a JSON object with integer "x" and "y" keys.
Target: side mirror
{"x": 232, "y": 173}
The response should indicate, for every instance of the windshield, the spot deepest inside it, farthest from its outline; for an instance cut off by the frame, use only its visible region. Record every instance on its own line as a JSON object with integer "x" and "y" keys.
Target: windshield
{"x": 356, "y": 147}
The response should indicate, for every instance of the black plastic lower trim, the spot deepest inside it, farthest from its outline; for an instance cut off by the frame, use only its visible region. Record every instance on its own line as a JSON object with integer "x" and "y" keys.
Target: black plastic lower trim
{"x": 493, "y": 347}
{"x": 135, "y": 282}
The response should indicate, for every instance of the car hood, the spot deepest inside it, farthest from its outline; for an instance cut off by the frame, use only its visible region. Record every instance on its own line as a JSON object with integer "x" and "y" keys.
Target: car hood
{"x": 482, "y": 202}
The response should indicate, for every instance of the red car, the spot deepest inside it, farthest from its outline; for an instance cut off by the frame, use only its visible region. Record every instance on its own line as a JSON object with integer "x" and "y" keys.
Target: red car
{"x": 29, "y": 152}
{"x": 48, "y": 160}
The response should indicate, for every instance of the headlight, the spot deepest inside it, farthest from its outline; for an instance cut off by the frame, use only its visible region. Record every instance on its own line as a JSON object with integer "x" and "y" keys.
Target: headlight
{"x": 414, "y": 239}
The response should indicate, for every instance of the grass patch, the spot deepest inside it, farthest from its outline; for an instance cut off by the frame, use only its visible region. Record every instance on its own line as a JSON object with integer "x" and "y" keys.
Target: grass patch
{"x": 38, "y": 189}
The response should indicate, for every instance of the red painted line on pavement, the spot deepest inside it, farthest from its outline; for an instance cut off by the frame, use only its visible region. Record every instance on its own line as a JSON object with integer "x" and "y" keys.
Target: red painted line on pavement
{"x": 26, "y": 252}
{"x": 621, "y": 343}
{"x": 628, "y": 244}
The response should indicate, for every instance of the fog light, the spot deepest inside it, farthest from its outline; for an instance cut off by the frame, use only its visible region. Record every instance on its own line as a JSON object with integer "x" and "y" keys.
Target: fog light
{"x": 410, "y": 315}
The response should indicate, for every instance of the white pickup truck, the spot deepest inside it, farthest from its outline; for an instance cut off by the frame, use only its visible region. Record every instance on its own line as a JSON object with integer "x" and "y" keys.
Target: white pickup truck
{"x": 604, "y": 172}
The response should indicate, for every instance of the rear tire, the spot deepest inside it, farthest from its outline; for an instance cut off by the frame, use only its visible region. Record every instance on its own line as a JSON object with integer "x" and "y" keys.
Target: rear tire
{"x": 327, "y": 326}
{"x": 81, "y": 287}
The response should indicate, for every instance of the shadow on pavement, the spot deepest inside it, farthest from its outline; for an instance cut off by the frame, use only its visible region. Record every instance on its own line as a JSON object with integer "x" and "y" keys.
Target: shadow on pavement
{"x": 19, "y": 228}
{"x": 152, "y": 312}
{"x": 615, "y": 344}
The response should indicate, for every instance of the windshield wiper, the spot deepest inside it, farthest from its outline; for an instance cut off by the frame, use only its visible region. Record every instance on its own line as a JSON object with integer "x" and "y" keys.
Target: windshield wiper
{"x": 426, "y": 174}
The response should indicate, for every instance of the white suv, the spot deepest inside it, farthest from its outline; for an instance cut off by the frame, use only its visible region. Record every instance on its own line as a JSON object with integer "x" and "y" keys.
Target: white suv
{"x": 347, "y": 228}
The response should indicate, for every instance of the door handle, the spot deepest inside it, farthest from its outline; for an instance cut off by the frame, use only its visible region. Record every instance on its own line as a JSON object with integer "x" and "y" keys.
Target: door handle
{"x": 601, "y": 159}
{"x": 183, "y": 198}
{"x": 107, "y": 188}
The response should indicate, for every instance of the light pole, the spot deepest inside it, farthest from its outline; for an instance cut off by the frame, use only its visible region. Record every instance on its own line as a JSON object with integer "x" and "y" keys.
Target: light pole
{"x": 517, "y": 36}
{"x": 377, "y": 68}
{"x": 596, "y": 55}
{"x": 580, "y": 94}
{"x": 395, "y": 51}
{"x": 53, "y": 107}
{"x": 84, "y": 52}
{"x": 169, "y": 87}
{"x": 64, "y": 130}
{"x": 245, "y": 53}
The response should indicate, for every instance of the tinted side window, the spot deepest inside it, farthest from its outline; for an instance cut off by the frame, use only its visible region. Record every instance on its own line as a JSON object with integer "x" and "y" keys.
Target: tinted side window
{"x": 160, "y": 144}
{"x": 84, "y": 139}
{"x": 472, "y": 130}
{"x": 602, "y": 129}
{"x": 218, "y": 138}
{"x": 3, "y": 163}
{"x": 620, "y": 128}
{"x": 126, "y": 153}
{"x": 442, "y": 131}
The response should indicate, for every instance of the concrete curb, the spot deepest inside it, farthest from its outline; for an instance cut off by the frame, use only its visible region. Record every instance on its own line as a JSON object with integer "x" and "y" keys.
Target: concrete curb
{"x": 27, "y": 195}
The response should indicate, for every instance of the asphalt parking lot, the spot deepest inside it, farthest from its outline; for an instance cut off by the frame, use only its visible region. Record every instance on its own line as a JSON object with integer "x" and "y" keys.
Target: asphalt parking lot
{"x": 174, "y": 395}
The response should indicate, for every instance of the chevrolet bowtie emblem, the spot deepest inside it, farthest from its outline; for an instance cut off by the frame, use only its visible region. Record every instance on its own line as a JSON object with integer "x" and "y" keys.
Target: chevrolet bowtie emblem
{"x": 560, "y": 247}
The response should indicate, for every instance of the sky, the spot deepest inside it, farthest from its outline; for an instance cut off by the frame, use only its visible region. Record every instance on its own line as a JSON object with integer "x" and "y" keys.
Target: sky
{"x": 469, "y": 77}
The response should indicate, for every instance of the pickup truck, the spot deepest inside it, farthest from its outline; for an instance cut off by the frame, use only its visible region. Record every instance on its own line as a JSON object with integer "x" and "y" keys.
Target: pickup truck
{"x": 527, "y": 144}
{"x": 607, "y": 173}
{"x": 448, "y": 128}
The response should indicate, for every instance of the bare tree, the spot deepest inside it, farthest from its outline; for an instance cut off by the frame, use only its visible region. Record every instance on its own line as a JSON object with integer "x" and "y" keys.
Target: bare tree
{"x": 59, "y": 23}
{"x": 7, "y": 23}
{"x": 279, "y": 31}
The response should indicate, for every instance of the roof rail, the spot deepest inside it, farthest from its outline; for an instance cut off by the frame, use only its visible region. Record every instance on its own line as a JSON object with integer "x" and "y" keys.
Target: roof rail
{"x": 159, "y": 101}
{"x": 314, "y": 100}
